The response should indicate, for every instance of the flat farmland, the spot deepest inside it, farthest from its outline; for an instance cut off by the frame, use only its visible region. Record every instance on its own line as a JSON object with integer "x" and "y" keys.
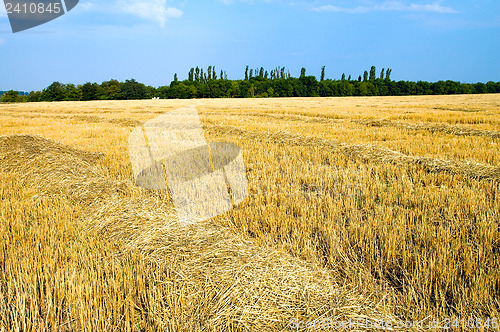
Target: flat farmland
{"x": 380, "y": 209}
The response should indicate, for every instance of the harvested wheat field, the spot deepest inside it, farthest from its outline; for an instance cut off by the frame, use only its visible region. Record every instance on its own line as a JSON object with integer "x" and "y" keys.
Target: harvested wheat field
{"x": 376, "y": 209}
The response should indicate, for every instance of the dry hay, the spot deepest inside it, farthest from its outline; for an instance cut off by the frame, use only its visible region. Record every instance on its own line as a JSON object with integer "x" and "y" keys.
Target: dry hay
{"x": 366, "y": 152}
{"x": 302, "y": 117}
{"x": 124, "y": 122}
{"x": 440, "y": 128}
{"x": 51, "y": 168}
{"x": 252, "y": 287}
{"x": 249, "y": 287}
{"x": 330, "y": 119}
{"x": 278, "y": 137}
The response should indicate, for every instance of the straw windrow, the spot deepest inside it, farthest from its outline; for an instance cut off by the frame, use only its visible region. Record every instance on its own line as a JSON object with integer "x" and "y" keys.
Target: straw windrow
{"x": 367, "y": 152}
{"x": 433, "y": 128}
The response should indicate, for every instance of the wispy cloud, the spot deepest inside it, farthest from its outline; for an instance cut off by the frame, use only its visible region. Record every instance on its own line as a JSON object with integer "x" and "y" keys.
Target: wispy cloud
{"x": 336, "y": 9}
{"x": 86, "y": 6}
{"x": 152, "y": 10}
{"x": 155, "y": 11}
{"x": 230, "y": 2}
{"x": 388, "y": 6}
{"x": 2, "y": 41}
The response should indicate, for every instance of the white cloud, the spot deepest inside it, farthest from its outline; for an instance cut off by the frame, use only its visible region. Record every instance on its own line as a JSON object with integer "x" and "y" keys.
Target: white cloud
{"x": 388, "y": 6}
{"x": 153, "y": 10}
{"x": 336, "y": 9}
{"x": 230, "y": 2}
{"x": 86, "y": 6}
{"x": 397, "y": 5}
{"x": 2, "y": 41}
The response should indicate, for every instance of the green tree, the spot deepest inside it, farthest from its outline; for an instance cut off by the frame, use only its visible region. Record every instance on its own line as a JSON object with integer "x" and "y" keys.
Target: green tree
{"x": 181, "y": 91}
{"x": 479, "y": 87}
{"x": 203, "y": 91}
{"x": 492, "y": 87}
{"x": 270, "y": 92}
{"x": 234, "y": 90}
{"x": 34, "y": 96}
{"x": 303, "y": 72}
{"x": 365, "y": 76}
{"x": 111, "y": 90}
{"x": 322, "y": 77}
{"x": 11, "y": 96}
{"x": 453, "y": 87}
{"x": 311, "y": 86}
{"x": 388, "y": 74}
{"x": 90, "y": 91}
{"x": 324, "y": 89}
{"x": 72, "y": 93}
{"x": 373, "y": 73}
{"x": 54, "y": 92}
{"x": 163, "y": 92}
{"x": 424, "y": 88}
{"x": 134, "y": 90}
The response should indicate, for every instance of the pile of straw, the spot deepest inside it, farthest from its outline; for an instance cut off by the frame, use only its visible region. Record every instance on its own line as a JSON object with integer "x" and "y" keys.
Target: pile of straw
{"x": 51, "y": 168}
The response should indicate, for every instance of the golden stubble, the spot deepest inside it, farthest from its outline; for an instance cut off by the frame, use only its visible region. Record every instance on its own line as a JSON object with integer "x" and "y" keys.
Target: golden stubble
{"x": 382, "y": 207}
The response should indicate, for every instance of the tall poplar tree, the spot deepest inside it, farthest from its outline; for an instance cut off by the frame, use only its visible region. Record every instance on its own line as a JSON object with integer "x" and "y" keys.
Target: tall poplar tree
{"x": 303, "y": 72}
{"x": 373, "y": 73}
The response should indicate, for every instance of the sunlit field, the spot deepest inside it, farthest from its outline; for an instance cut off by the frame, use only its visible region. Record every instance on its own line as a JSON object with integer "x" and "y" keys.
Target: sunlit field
{"x": 380, "y": 208}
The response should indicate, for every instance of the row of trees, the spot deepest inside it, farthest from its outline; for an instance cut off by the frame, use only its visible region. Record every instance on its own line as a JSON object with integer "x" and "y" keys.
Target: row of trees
{"x": 109, "y": 90}
{"x": 257, "y": 83}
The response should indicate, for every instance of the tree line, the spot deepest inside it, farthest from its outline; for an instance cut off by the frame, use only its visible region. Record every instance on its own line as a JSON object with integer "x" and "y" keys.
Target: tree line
{"x": 258, "y": 82}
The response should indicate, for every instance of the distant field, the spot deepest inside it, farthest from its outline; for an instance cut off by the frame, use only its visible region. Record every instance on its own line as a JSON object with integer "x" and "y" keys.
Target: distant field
{"x": 380, "y": 208}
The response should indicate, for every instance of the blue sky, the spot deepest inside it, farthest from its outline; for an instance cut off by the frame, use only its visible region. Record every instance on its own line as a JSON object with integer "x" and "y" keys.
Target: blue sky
{"x": 150, "y": 40}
